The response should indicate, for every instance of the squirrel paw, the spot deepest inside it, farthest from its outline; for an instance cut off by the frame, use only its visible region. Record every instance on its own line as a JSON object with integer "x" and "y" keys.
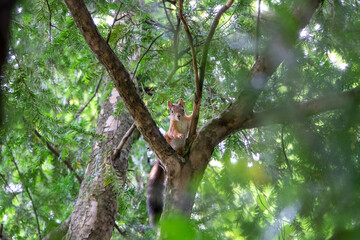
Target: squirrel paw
{"x": 180, "y": 136}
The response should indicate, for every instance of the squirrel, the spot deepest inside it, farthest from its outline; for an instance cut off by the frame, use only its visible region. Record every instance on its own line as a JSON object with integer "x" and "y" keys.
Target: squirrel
{"x": 175, "y": 136}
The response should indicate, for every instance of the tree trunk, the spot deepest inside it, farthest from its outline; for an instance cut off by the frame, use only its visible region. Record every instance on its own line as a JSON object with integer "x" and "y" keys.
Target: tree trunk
{"x": 96, "y": 207}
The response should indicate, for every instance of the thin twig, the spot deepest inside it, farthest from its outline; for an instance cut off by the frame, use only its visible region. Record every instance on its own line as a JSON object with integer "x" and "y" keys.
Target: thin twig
{"x": 147, "y": 50}
{"x": 199, "y": 85}
{"x": 50, "y": 14}
{"x": 283, "y": 150}
{"x": 156, "y": 24}
{"x": 167, "y": 16}
{"x": 114, "y": 21}
{"x": 257, "y": 32}
{"x": 123, "y": 233}
{"x": 6, "y": 183}
{"x": 57, "y": 154}
{"x": 117, "y": 150}
{"x": 31, "y": 94}
{"x": 92, "y": 97}
{"x": 29, "y": 195}
{"x": 187, "y": 63}
{"x": 176, "y": 44}
{"x": 191, "y": 44}
{"x": 51, "y": 59}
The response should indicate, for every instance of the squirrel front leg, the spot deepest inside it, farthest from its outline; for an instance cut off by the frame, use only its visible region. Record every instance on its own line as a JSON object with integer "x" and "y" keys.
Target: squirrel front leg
{"x": 188, "y": 118}
{"x": 175, "y": 134}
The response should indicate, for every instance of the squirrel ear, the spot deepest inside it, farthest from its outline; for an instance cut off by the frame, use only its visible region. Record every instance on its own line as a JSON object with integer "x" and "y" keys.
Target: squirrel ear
{"x": 181, "y": 102}
{"x": 170, "y": 104}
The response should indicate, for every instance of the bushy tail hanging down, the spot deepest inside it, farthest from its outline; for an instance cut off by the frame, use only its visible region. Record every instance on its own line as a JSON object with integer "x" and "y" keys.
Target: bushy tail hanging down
{"x": 155, "y": 193}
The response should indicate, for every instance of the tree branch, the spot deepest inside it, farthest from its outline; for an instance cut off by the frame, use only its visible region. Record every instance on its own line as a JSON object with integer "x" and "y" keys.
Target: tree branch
{"x": 257, "y": 31}
{"x": 191, "y": 44}
{"x": 147, "y": 50}
{"x": 123, "y": 83}
{"x": 114, "y": 21}
{"x": 284, "y": 151}
{"x": 200, "y": 82}
{"x": 167, "y": 16}
{"x": 3, "y": 236}
{"x": 157, "y": 24}
{"x": 92, "y": 97}
{"x": 50, "y": 15}
{"x": 117, "y": 150}
{"x": 29, "y": 195}
{"x": 57, "y": 154}
{"x": 298, "y": 111}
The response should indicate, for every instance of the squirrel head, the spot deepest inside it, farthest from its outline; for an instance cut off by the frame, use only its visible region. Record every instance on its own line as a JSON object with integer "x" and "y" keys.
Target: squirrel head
{"x": 177, "y": 111}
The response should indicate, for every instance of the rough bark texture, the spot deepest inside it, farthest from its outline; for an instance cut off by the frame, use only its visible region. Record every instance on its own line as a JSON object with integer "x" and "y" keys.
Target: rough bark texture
{"x": 95, "y": 209}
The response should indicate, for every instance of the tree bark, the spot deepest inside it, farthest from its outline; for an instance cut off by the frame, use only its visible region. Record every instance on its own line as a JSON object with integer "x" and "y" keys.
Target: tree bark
{"x": 96, "y": 207}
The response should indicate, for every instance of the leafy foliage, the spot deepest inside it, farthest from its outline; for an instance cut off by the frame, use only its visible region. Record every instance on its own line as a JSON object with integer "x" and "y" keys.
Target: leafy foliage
{"x": 293, "y": 181}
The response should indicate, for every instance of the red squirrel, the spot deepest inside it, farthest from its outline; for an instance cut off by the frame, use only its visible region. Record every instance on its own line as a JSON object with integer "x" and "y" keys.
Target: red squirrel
{"x": 176, "y": 136}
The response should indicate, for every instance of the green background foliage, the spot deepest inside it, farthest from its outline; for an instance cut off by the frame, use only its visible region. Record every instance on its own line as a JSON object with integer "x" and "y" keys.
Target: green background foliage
{"x": 293, "y": 181}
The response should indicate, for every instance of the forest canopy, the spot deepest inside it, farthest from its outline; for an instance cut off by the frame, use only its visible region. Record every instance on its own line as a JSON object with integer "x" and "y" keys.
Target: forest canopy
{"x": 273, "y": 149}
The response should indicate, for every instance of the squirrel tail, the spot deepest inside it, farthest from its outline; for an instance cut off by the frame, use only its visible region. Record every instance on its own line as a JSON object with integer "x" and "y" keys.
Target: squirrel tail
{"x": 155, "y": 193}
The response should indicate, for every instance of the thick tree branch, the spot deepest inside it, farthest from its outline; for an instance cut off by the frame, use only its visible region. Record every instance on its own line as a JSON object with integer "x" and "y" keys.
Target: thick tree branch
{"x": 122, "y": 82}
{"x": 298, "y": 111}
{"x": 200, "y": 82}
